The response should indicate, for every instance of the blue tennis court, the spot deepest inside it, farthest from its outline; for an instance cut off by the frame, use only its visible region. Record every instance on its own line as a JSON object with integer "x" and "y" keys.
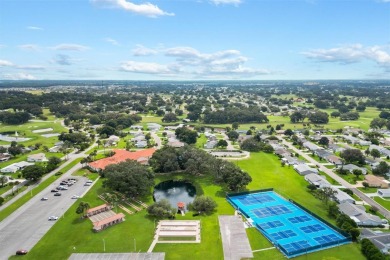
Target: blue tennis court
{"x": 290, "y": 228}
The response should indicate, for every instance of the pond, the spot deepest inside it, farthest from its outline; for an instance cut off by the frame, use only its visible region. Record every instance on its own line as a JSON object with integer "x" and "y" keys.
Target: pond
{"x": 174, "y": 192}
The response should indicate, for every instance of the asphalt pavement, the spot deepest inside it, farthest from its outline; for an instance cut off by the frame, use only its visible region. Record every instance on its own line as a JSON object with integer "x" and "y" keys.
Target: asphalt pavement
{"x": 28, "y": 224}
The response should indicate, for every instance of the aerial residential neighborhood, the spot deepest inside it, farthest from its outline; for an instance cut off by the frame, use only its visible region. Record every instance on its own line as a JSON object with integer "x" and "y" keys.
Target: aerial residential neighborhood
{"x": 112, "y": 178}
{"x": 195, "y": 130}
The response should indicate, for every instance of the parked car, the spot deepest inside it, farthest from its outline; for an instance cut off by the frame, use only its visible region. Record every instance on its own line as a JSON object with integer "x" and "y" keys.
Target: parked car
{"x": 57, "y": 194}
{"x": 44, "y": 198}
{"x": 75, "y": 196}
{"x": 87, "y": 184}
{"x": 54, "y": 190}
{"x": 21, "y": 252}
{"x": 53, "y": 218}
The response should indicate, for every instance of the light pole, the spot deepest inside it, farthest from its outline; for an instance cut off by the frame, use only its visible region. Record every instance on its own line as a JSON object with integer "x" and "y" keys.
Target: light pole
{"x": 104, "y": 245}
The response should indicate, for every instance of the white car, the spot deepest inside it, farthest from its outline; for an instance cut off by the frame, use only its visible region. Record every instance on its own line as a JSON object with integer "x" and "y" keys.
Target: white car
{"x": 53, "y": 218}
{"x": 44, "y": 198}
{"x": 75, "y": 196}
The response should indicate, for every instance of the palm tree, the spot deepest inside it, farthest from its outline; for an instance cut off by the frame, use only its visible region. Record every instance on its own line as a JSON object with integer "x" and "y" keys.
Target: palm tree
{"x": 113, "y": 200}
{"x": 82, "y": 208}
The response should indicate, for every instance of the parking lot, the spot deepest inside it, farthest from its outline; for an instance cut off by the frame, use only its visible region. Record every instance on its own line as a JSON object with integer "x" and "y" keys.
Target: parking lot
{"x": 28, "y": 224}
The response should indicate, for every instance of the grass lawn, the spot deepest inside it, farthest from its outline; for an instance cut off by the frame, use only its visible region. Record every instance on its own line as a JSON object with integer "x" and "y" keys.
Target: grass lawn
{"x": 368, "y": 190}
{"x": 266, "y": 172}
{"x": 351, "y": 178}
{"x": 384, "y": 203}
{"x": 201, "y": 141}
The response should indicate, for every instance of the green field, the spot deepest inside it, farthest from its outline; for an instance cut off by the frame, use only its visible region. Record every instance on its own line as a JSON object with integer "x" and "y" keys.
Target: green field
{"x": 266, "y": 173}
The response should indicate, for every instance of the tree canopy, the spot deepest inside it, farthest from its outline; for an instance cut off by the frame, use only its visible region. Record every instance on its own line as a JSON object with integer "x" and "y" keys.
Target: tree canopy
{"x": 203, "y": 204}
{"x": 33, "y": 172}
{"x": 129, "y": 178}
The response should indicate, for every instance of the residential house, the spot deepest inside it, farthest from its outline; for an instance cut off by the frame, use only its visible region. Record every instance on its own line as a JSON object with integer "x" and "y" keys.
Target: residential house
{"x": 351, "y": 139}
{"x": 384, "y": 193}
{"x": 351, "y": 167}
{"x": 304, "y": 169}
{"x": 322, "y": 153}
{"x": 335, "y": 148}
{"x": 341, "y": 196}
{"x": 282, "y": 152}
{"x": 141, "y": 144}
{"x": 310, "y": 146}
{"x": 15, "y": 167}
{"x": 242, "y": 138}
{"x": 334, "y": 159}
{"x": 4, "y": 157}
{"x": 175, "y": 143}
{"x": 210, "y": 144}
{"x": 137, "y": 127}
{"x": 380, "y": 239}
{"x": 39, "y": 157}
{"x": 318, "y": 180}
{"x": 292, "y": 160}
{"x": 382, "y": 150}
{"x": 154, "y": 126}
{"x": 376, "y": 182}
{"x": 358, "y": 214}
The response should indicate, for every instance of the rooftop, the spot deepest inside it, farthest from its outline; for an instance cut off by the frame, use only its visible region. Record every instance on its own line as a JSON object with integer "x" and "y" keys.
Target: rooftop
{"x": 121, "y": 156}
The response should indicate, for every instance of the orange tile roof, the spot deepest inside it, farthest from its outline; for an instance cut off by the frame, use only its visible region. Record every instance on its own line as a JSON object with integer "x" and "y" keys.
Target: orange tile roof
{"x": 108, "y": 220}
{"x": 121, "y": 156}
{"x": 97, "y": 208}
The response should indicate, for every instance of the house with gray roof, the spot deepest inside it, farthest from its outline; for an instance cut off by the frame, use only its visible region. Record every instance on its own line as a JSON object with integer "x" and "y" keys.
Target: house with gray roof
{"x": 358, "y": 214}
{"x": 15, "y": 167}
{"x": 318, "y": 180}
{"x": 312, "y": 147}
{"x": 380, "y": 239}
{"x": 304, "y": 169}
{"x": 381, "y": 149}
{"x": 351, "y": 167}
{"x": 322, "y": 153}
{"x": 335, "y": 148}
{"x": 384, "y": 193}
{"x": 341, "y": 196}
{"x": 210, "y": 144}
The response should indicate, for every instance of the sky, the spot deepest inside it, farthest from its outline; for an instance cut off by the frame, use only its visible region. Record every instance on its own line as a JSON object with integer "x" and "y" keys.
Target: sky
{"x": 194, "y": 39}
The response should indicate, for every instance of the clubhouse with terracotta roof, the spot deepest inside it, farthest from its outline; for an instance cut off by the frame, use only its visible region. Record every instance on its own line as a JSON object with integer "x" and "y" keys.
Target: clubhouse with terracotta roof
{"x": 141, "y": 156}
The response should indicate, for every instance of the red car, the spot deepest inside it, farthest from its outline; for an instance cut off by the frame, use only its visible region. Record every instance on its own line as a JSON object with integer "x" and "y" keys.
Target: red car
{"x": 21, "y": 252}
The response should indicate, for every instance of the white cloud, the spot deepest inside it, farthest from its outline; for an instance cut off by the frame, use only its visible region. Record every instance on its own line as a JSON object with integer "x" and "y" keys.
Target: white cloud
{"x": 141, "y": 50}
{"x": 226, "y": 2}
{"x": 112, "y": 41}
{"x": 146, "y": 9}
{"x": 352, "y": 54}
{"x": 191, "y": 62}
{"x": 70, "y": 47}
{"x": 18, "y": 76}
{"x": 31, "y": 67}
{"x": 34, "y": 28}
{"x": 29, "y": 47}
{"x": 5, "y": 63}
{"x": 145, "y": 67}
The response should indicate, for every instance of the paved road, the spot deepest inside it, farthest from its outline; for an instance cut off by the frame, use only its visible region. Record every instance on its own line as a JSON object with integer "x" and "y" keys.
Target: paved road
{"x": 229, "y": 147}
{"x": 28, "y": 224}
{"x": 343, "y": 182}
{"x": 157, "y": 139}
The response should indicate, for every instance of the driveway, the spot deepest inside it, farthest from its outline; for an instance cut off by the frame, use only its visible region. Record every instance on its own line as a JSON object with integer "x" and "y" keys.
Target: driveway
{"x": 343, "y": 182}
